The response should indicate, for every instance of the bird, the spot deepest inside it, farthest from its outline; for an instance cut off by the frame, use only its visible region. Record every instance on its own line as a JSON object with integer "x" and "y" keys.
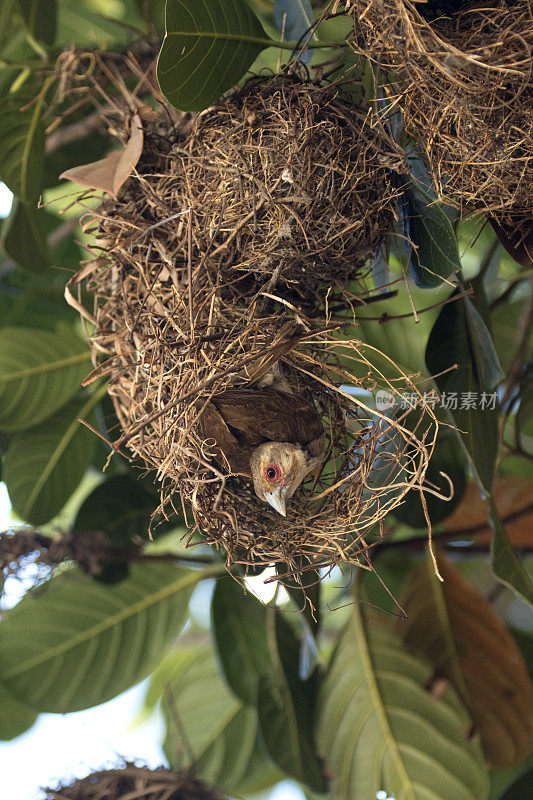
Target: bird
{"x": 274, "y": 437}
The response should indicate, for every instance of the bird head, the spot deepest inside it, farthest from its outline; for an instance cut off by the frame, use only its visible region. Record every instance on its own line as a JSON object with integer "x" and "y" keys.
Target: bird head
{"x": 278, "y": 469}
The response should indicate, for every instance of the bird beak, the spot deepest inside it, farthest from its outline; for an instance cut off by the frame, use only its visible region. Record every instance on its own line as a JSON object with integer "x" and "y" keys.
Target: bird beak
{"x": 276, "y": 500}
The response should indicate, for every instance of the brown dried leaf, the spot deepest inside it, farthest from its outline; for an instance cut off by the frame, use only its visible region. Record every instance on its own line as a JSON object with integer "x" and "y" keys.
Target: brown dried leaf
{"x": 109, "y": 173}
{"x": 516, "y": 235}
{"x": 455, "y": 627}
{"x": 513, "y": 496}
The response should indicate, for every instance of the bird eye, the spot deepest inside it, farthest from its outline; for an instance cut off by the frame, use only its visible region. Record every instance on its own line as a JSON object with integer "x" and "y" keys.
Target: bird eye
{"x": 272, "y": 472}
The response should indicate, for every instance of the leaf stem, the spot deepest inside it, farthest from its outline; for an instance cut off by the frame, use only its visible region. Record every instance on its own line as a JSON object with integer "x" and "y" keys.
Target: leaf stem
{"x": 261, "y": 42}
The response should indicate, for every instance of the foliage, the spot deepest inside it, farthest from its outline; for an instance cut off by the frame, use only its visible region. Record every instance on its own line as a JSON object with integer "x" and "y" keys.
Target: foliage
{"x": 346, "y": 702}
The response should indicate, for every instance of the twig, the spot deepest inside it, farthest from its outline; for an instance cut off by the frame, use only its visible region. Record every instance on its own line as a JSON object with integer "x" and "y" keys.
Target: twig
{"x": 387, "y": 317}
{"x": 419, "y": 542}
{"x": 73, "y": 133}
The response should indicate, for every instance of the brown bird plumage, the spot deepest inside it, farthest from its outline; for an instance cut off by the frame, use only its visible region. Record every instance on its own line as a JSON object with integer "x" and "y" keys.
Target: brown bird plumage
{"x": 271, "y": 436}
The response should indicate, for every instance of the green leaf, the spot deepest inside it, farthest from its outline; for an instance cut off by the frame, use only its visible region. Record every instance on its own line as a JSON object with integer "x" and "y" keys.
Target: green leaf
{"x": 435, "y": 253}
{"x": 261, "y": 774}
{"x": 521, "y": 789}
{"x": 7, "y": 9}
{"x": 40, "y": 19}
{"x": 504, "y": 561}
{"x": 22, "y": 152}
{"x": 44, "y": 465}
{"x": 524, "y": 414}
{"x": 484, "y": 358}
{"x": 73, "y": 643}
{"x": 208, "y": 47}
{"x": 501, "y": 780}
{"x": 286, "y": 707}
{"x": 24, "y": 237}
{"x": 380, "y": 729}
{"x": 503, "y": 325}
{"x": 460, "y": 337}
{"x": 206, "y": 723}
{"x": 38, "y": 299}
{"x": 85, "y": 25}
{"x": 239, "y": 631}
{"x": 39, "y": 372}
{"x": 15, "y": 716}
{"x": 120, "y": 507}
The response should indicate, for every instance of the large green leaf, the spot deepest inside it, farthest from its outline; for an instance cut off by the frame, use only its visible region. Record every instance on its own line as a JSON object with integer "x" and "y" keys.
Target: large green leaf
{"x": 208, "y": 46}
{"x": 15, "y": 716}
{"x": 381, "y": 730}
{"x": 22, "y": 152}
{"x": 505, "y": 563}
{"x": 24, "y": 237}
{"x": 40, "y": 19}
{"x": 286, "y": 708}
{"x": 239, "y": 629}
{"x": 73, "y": 642}
{"x": 206, "y": 723}
{"x": 460, "y": 337}
{"x": 39, "y": 372}
{"x": 43, "y": 466}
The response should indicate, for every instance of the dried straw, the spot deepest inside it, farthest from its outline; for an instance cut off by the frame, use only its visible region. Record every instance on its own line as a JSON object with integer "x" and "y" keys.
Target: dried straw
{"x": 464, "y": 83}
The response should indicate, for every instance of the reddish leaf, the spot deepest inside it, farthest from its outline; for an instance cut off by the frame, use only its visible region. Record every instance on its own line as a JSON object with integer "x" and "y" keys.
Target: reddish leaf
{"x": 513, "y": 498}
{"x": 455, "y": 627}
{"x": 517, "y": 237}
{"x": 109, "y": 173}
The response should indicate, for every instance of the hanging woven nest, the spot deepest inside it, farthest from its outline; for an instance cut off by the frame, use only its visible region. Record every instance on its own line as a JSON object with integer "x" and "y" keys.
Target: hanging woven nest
{"x": 132, "y": 781}
{"x": 218, "y": 268}
{"x": 463, "y": 76}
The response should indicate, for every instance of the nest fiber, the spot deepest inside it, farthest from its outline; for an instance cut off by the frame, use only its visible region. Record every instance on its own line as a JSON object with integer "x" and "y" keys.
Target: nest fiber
{"x": 226, "y": 256}
{"x": 464, "y": 82}
{"x": 135, "y": 782}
